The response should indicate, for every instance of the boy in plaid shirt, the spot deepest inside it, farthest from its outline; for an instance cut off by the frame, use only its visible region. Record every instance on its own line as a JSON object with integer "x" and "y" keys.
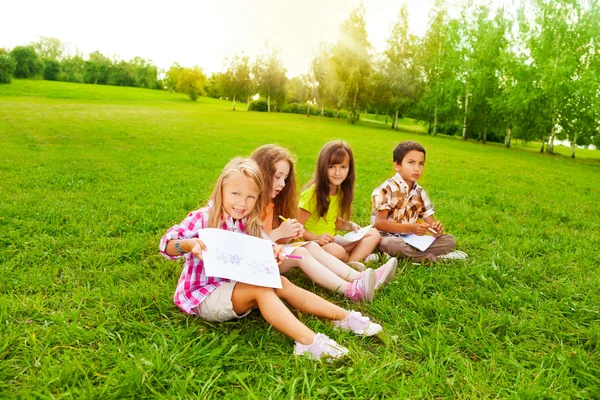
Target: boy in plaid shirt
{"x": 399, "y": 203}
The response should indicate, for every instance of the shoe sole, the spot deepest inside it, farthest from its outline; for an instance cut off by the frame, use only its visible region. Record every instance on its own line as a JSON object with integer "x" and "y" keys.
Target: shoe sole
{"x": 391, "y": 271}
{"x": 370, "y": 280}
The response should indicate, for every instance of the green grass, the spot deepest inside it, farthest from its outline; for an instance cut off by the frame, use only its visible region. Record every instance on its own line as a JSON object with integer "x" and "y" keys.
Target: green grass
{"x": 92, "y": 176}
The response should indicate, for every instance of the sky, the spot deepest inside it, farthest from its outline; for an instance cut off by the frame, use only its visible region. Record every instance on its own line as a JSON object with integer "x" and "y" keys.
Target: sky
{"x": 199, "y": 32}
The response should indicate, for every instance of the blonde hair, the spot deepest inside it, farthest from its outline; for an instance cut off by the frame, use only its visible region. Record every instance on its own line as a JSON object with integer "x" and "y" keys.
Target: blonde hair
{"x": 248, "y": 168}
{"x": 286, "y": 202}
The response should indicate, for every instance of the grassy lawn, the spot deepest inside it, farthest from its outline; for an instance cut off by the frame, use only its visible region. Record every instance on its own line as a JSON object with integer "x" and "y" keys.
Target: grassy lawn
{"x": 91, "y": 177}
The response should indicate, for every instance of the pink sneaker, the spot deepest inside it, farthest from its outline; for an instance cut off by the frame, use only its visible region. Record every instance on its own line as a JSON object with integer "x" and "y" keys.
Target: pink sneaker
{"x": 362, "y": 288}
{"x": 386, "y": 272}
{"x": 359, "y": 324}
{"x": 321, "y": 346}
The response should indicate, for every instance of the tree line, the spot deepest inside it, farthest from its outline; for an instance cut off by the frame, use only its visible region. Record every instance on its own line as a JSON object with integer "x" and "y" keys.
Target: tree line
{"x": 483, "y": 73}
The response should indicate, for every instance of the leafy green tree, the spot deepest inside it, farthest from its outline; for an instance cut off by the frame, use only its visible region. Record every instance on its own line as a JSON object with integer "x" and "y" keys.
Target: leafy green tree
{"x": 97, "y": 69}
{"x": 49, "y": 48}
{"x": 439, "y": 57}
{"x": 191, "y": 82}
{"x": 172, "y": 77}
{"x": 236, "y": 80}
{"x": 123, "y": 74}
{"x": 401, "y": 72}
{"x": 269, "y": 74}
{"x": 72, "y": 69}
{"x": 7, "y": 68}
{"x": 489, "y": 43}
{"x": 51, "y": 70}
{"x": 27, "y": 62}
{"x": 352, "y": 62}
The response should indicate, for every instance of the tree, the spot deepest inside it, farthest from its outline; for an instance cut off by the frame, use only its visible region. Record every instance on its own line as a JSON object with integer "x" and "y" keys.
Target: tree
{"x": 7, "y": 68}
{"x": 73, "y": 69}
{"x": 97, "y": 69}
{"x": 49, "y": 48}
{"x": 27, "y": 62}
{"x": 191, "y": 82}
{"x": 236, "y": 80}
{"x": 269, "y": 74}
{"x": 400, "y": 70}
{"x": 172, "y": 77}
{"x": 352, "y": 62}
{"x": 51, "y": 70}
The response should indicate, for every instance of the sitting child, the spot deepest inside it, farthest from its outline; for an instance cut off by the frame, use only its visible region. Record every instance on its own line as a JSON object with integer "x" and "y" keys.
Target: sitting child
{"x": 400, "y": 202}
{"x": 235, "y": 206}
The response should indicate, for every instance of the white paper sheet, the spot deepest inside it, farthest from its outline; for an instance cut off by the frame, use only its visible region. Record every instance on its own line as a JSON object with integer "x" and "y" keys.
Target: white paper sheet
{"x": 239, "y": 257}
{"x": 290, "y": 247}
{"x": 351, "y": 236}
{"x": 419, "y": 242}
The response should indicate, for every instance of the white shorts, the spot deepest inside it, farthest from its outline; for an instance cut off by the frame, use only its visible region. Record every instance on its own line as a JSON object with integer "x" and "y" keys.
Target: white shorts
{"x": 217, "y": 307}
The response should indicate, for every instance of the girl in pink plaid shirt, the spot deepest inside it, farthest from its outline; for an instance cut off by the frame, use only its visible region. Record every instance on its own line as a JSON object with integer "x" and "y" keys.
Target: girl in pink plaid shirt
{"x": 235, "y": 206}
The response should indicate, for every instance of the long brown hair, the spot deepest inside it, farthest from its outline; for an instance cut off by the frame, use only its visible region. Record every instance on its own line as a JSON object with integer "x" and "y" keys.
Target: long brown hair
{"x": 286, "y": 202}
{"x": 334, "y": 152}
{"x": 249, "y": 169}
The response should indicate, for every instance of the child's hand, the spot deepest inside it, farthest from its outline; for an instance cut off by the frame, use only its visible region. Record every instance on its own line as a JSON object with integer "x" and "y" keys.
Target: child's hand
{"x": 420, "y": 229}
{"x": 195, "y": 246}
{"x": 324, "y": 239}
{"x": 291, "y": 229}
{"x": 354, "y": 226}
{"x": 279, "y": 254}
{"x": 438, "y": 228}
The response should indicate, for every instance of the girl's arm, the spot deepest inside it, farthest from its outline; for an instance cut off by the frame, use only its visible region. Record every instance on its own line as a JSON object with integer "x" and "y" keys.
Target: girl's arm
{"x": 195, "y": 246}
{"x": 343, "y": 225}
{"x": 290, "y": 229}
{"x": 321, "y": 239}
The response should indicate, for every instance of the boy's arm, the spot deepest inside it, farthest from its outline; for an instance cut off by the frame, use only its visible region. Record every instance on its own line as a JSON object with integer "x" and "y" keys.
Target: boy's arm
{"x": 435, "y": 225}
{"x": 383, "y": 224}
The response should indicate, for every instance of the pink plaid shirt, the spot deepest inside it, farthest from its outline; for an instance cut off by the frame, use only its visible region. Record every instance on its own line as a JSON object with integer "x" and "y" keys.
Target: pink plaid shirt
{"x": 194, "y": 286}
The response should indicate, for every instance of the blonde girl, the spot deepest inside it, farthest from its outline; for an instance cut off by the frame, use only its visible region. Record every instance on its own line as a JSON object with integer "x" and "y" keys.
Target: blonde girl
{"x": 277, "y": 167}
{"x": 235, "y": 206}
{"x": 326, "y": 205}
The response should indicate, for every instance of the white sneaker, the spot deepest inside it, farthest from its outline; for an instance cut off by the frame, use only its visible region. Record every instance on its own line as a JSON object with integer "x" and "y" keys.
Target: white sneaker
{"x": 372, "y": 257}
{"x": 454, "y": 255}
{"x": 357, "y": 265}
{"x": 359, "y": 324}
{"x": 386, "y": 272}
{"x": 321, "y": 347}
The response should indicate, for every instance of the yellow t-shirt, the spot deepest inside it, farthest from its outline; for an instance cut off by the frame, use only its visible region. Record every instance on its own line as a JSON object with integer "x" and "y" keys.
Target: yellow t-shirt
{"x": 314, "y": 223}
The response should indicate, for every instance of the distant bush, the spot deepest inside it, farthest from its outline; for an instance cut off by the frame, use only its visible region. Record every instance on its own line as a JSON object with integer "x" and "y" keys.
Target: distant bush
{"x": 7, "y": 68}
{"x": 51, "y": 70}
{"x": 258, "y": 105}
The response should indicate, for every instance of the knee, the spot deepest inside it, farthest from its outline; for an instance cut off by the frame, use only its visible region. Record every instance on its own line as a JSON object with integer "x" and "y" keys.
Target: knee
{"x": 374, "y": 233}
{"x": 301, "y": 251}
{"x": 286, "y": 286}
{"x": 449, "y": 241}
{"x": 337, "y": 251}
{"x": 312, "y": 247}
{"x": 386, "y": 244}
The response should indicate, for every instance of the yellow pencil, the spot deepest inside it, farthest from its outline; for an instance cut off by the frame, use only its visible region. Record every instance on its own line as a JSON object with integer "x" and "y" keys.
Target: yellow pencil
{"x": 283, "y": 218}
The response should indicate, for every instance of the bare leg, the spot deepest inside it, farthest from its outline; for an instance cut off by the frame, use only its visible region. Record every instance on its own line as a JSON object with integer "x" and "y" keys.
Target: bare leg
{"x": 309, "y": 303}
{"x": 331, "y": 262}
{"x": 365, "y": 246}
{"x": 316, "y": 271}
{"x": 245, "y": 296}
{"x": 337, "y": 251}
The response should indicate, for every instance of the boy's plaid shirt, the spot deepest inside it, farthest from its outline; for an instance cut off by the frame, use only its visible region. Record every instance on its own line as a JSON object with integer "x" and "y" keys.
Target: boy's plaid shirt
{"x": 403, "y": 206}
{"x": 194, "y": 286}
